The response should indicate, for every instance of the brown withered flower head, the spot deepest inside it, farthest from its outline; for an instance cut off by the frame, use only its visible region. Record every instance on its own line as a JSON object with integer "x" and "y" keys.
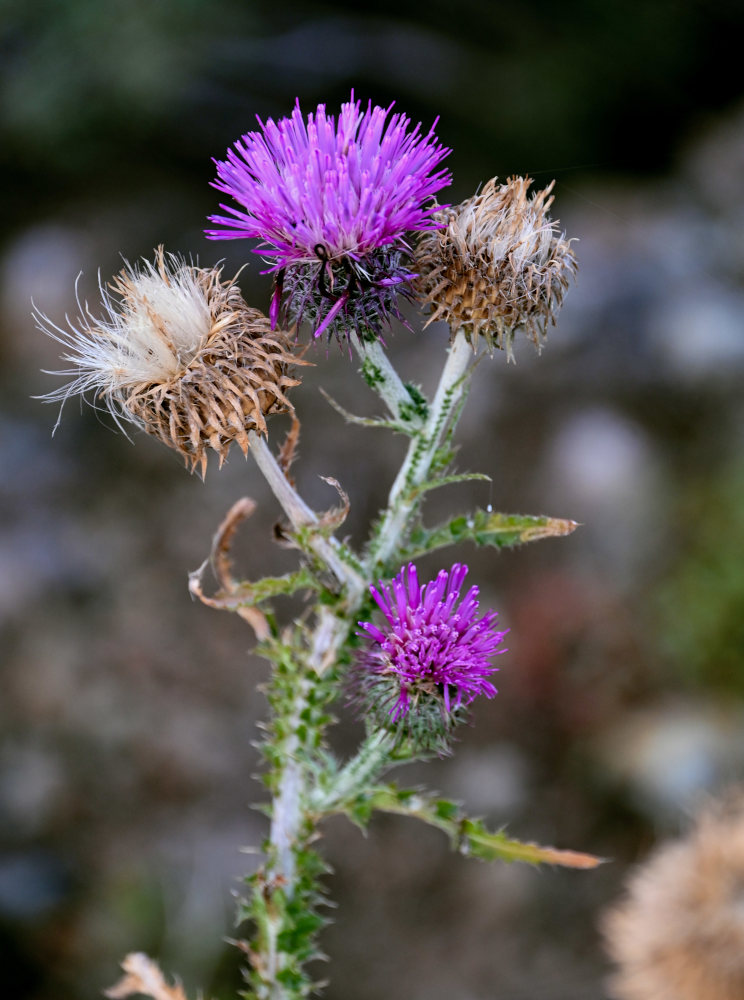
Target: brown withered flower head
{"x": 179, "y": 354}
{"x": 497, "y": 265}
{"x": 679, "y": 934}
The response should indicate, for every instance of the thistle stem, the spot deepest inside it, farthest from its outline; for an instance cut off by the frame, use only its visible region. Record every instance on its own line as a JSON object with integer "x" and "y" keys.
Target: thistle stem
{"x": 287, "y": 816}
{"x": 355, "y": 776}
{"x": 288, "y": 886}
{"x": 416, "y": 467}
{"x": 286, "y": 812}
{"x": 300, "y": 798}
{"x": 301, "y": 516}
{"x": 292, "y": 503}
{"x": 384, "y": 379}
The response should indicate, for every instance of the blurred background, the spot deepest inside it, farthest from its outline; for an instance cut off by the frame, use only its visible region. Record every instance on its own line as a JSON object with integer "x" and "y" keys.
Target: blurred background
{"x": 128, "y": 712}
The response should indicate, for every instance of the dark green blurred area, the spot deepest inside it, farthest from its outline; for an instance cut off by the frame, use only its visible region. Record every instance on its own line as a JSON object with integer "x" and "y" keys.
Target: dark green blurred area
{"x": 95, "y": 94}
{"x": 128, "y": 712}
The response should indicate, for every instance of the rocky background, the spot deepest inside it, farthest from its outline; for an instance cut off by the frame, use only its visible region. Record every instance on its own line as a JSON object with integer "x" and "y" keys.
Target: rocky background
{"x": 128, "y": 712}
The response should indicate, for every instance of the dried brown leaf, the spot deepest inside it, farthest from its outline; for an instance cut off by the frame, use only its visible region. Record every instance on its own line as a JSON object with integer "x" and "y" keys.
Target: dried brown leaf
{"x": 228, "y": 601}
{"x": 222, "y": 542}
{"x": 143, "y": 977}
{"x": 288, "y": 451}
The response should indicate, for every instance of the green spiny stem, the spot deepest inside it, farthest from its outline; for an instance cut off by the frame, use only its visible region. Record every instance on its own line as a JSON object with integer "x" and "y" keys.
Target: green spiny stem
{"x": 422, "y": 450}
{"x": 285, "y": 891}
{"x": 364, "y": 767}
{"x": 380, "y": 375}
{"x": 289, "y": 806}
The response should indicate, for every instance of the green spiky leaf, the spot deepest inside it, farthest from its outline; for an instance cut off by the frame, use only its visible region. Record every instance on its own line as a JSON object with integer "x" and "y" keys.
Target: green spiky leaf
{"x": 458, "y": 477}
{"x": 484, "y": 527}
{"x": 468, "y": 836}
{"x": 251, "y": 594}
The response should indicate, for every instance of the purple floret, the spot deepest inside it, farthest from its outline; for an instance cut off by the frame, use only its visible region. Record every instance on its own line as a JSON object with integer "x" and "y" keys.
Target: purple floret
{"x": 349, "y": 188}
{"x": 434, "y": 646}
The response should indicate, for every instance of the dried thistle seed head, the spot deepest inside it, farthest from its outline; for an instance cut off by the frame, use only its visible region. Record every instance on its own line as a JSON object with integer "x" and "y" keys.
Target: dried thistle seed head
{"x": 679, "y": 934}
{"x": 179, "y": 354}
{"x": 498, "y": 265}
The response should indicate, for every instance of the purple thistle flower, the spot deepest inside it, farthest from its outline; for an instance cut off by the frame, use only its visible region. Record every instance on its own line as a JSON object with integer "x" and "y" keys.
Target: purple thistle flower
{"x": 433, "y": 654}
{"x": 331, "y": 203}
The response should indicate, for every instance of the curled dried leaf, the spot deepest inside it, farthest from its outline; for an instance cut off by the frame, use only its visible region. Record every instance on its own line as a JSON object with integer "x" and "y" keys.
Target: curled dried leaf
{"x": 335, "y": 517}
{"x": 226, "y": 599}
{"x": 220, "y": 559}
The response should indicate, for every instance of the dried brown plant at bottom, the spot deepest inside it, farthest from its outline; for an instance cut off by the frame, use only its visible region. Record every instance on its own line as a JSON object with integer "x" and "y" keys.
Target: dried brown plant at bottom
{"x": 679, "y": 934}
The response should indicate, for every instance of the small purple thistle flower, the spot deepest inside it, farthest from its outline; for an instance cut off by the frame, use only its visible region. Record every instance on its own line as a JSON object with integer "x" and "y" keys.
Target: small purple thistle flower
{"x": 332, "y": 203}
{"x": 433, "y": 656}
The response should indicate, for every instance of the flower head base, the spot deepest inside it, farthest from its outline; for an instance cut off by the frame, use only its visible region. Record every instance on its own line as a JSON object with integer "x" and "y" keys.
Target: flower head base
{"x": 679, "y": 935}
{"x": 180, "y": 355}
{"x": 498, "y": 265}
{"x": 429, "y": 661}
{"x": 332, "y": 203}
{"x": 335, "y": 297}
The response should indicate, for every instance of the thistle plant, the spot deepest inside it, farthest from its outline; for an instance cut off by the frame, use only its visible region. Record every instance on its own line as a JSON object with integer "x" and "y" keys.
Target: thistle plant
{"x": 344, "y": 212}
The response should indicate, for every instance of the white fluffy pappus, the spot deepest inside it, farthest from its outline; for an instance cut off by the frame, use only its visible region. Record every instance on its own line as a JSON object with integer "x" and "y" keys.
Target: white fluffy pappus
{"x": 179, "y": 354}
{"x": 155, "y": 322}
